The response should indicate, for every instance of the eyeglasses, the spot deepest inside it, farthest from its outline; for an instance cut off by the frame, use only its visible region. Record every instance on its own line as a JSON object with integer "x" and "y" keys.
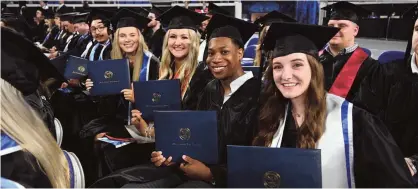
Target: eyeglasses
{"x": 99, "y": 29}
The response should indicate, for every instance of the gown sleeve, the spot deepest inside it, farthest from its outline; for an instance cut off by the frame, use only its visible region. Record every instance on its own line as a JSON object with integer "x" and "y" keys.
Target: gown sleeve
{"x": 378, "y": 162}
{"x": 22, "y": 168}
{"x": 200, "y": 79}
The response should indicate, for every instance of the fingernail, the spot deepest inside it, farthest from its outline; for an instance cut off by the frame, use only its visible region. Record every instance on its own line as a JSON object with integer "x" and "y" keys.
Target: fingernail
{"x": 184, "y": 157}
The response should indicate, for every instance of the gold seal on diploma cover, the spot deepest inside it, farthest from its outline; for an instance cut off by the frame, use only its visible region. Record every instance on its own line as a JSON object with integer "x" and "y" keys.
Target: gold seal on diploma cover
{"x": 271, "y": 179}
{"x": 156, "y": 97}
{"x": 108, "y": 74}
{"x": 81, "y": 68}
{"x": 184, "y": 133}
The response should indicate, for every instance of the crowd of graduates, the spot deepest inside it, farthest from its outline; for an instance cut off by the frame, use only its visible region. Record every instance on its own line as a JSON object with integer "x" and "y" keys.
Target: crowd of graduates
{"x": 311, "y": 87}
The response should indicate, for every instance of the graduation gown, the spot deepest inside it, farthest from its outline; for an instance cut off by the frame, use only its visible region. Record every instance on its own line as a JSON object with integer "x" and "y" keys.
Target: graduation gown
{"x": 62, "y": 41}
{"x": 22, "y": 167}
{"x": 200, "y": 79}
{"x": 155, "y": 40}
{"x": 237, "y": 119}
{"x": 100, "y": 51}
{"x": 356, "y": 148}
{"x": 50, "y": 37}
{"x": 369, "y": 68}
{"x": 114, "y": 111}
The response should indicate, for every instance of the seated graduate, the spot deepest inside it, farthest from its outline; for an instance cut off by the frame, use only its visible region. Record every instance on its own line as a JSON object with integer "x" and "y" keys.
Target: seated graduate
{"x": 155, "y": 33}
{"x": 298, "y": 113}
{"x": 69, "y": 32}
{"x": 264, "y": 23}
{"x": 52, "y": 31}
{"x": 102, "y": 29}
{"x": 180, "y": 44}
{"x": 114, "y": 109}
{"x": 31, "y": 72}
{"x": 29, "y": 154}
{"x": 78, "y": 43}
{"x": 233, "y": 95}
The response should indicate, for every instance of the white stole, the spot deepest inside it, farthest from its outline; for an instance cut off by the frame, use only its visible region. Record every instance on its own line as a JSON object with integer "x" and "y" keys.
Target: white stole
{"x": 201, "y": 51}
{"x": 336, "y": 172}
{"x": 87, "y": 49}
{"x": 68, "y": 42}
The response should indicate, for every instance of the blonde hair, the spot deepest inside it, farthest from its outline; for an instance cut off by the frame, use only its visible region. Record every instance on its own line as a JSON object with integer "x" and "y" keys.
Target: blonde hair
{"x": 22, "y": 123}
{"x": 117, "y": 53}
{"x": 258, "y": 54}
{"x": 188, "y": 68}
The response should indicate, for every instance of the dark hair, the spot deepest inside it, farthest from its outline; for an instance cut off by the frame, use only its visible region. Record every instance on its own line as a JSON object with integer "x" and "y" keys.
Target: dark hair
{"x": 274, "y": 107}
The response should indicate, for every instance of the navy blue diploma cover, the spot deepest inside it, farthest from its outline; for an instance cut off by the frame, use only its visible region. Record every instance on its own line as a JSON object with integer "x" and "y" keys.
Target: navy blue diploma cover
{"x": 76, "y": 68}
{"x": 157, "y": 95}
{"x": 263, "y": 167}
{"x": 254, "y": 69}
{"x": 191, "y": 133}
{"x": 109, "y": 77}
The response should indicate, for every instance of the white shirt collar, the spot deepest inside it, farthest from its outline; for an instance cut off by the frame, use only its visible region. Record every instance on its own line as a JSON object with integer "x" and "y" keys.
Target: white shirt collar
{"x": 237, "y": 83}
{"x": 414, "y": 66}
{"x": 59, "y": 6}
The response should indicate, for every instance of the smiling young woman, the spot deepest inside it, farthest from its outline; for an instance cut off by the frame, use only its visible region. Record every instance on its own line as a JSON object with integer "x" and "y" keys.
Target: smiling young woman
{"x": 298, "y": 113}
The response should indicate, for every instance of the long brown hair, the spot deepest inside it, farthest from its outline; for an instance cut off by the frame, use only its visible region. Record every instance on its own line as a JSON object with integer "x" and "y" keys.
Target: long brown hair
{"x": 274, "y": 108}
{"x": 258, "y": 53}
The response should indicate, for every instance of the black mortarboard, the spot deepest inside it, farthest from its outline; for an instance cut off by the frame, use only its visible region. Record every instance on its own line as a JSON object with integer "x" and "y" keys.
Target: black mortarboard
{"x": 8, "y": 15}
{"x": 139, "y": 10}
{"x": 68, "y": 16}
{"x": 344, "y": 10}
{"x": 48, "y": 14}
{"x": 216, "y": 28}
{"x": 273, "y": 16}
{"x": 81, "y": 17}
{"x": 182, "y": 18}
{"x": 157, "y": 11}
{"x": 101, "y": 14}
{"x": 23, "y": 65}
{"x": 215, "y": 9}
{"x": 128, "y": 18}
{"x": 286, "y": 38}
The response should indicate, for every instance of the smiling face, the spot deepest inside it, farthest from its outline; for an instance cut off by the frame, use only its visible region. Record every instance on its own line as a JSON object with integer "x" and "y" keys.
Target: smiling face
{"x": 179, "y": 42}
{"x": 99, "y": 30}
{"x": 292, "y": 74}
{"x": 224, "y": 58}
{"x": 348, "y": 31}
{"x": 128, "y": 39}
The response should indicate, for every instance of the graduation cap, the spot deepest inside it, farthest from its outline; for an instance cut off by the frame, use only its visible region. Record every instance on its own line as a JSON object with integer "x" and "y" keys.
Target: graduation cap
{"x": 101, "y": 14}
{"x": 23, "y": 65}
{"x": 216, "y": 28}
{"x": 215, "y": 9}
{"x": 182, "y": 18}
{"x": 344, "y": 10}
{"x": 157, "y": 11}
{"x": 128, "y": 18}
{"x": 273, "y": 16}
{"x": 68, "y": 16}
{"x": 286, "y": 38}
{"x": 139, "y": 10}
{"x": 81, "y": 17}
{"x": 8, "y": 15}
{"x": 48, "y": 14}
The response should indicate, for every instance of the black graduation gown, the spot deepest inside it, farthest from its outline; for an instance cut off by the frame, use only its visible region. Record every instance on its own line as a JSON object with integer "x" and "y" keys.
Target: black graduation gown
{"x": 237, "y": 119}
{"x": 23, "y": 168}
{"x": 106, "y": 52}
{"x": 378, "y": 162}
{"x": 63, "y": 41}
{"x": 39, "y": 31}
{"x": 49, "y": 43}
{"x": 155, "y": 40}
{"x": 73, "y": 42}
{"x": 200, "y": 79}
{"x": 370, "y": 68}
{"x": 113, "y": 113}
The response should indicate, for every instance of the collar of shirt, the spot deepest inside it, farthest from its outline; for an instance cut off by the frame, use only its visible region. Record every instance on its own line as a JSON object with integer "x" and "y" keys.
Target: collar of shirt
{"x": 59, "y": 6}
{"x": 344, "y": 51}
{"x": 237, "y": 83}
{"x": 414, "y": 66}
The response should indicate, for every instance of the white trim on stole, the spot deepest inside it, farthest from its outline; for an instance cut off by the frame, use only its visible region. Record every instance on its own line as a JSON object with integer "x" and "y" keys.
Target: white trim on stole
{"x": 149, "y": 54}
{"x": 331, "y": 144}
{"x": 201, "y": 51}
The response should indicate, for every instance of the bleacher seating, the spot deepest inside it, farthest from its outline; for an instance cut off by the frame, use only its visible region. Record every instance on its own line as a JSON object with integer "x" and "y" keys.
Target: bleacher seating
{"x": 389, "y": 56}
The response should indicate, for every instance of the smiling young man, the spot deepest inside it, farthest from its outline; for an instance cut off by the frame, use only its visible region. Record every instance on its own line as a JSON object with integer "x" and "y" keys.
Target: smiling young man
{"x": 101, "y": 28}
